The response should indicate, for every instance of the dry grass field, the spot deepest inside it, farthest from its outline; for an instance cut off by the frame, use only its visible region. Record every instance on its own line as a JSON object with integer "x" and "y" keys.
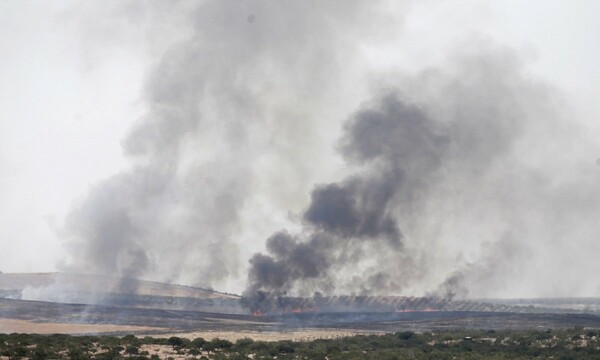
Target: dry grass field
{"x": 33, "y": 327}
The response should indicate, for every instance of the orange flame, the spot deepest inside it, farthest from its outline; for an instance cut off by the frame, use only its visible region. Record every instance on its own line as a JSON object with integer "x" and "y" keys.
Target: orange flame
{"x": 428, "y": 309}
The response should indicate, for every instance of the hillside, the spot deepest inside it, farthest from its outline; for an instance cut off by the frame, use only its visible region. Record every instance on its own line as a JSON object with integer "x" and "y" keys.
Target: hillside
{"x": 54, "y": 286}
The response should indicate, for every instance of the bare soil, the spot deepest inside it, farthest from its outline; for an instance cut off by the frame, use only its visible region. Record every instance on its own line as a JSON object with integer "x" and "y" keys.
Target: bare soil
{"x": 294, "y": 335}
{"x": 26, "y": 326}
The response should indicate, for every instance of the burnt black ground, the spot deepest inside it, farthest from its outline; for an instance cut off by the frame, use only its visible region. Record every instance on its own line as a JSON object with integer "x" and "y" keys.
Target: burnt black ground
{"x": 183, "y": 321}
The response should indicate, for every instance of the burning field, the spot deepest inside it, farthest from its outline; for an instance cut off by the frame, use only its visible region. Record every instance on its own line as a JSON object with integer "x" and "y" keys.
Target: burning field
{"x": 298, "y": 170}
{"x": 156, "y": 309}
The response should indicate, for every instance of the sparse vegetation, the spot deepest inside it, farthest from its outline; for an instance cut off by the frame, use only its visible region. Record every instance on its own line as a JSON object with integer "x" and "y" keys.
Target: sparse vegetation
{"x": 576, "y": 343}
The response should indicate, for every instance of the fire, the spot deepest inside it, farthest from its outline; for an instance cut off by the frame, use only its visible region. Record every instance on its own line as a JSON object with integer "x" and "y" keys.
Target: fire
{"x": 427, "y": 309}
{"x": 297, "y": 310}
{"x": 430, "y": 309}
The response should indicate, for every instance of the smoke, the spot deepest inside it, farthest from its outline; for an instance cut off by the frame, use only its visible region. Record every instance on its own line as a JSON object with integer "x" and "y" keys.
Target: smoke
{"x": 447, "y": 189}
{"x": 463, "y": 178}
{"x": 499, "y": 264}
{"x": 235, "y": 84}
{"x": 341, "y": 216}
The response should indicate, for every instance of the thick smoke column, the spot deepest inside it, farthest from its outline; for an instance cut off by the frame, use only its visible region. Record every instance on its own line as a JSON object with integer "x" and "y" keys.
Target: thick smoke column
{"x": 397, "y": 143}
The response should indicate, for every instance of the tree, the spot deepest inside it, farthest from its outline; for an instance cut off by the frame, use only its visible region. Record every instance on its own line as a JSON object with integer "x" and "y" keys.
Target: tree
{"x": 175, "y": 341}
{"x": 199, "y": 342}
{"x": 132, "y": 350}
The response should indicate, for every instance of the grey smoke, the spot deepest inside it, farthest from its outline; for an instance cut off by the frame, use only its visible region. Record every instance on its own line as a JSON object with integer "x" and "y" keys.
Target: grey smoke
{"x": 462, "y": 179}
{"x": 443, "y": 161}
{"x": 500, "y": 262}
{"x": 221, "y": 100}
{"x": 400, "y": 144}
{"x": 359, "y": 208}
{"x": 397, "y": 142}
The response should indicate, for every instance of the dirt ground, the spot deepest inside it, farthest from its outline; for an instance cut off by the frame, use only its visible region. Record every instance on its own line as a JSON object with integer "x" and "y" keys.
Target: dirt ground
{"x": 297, "y": 335}
{"x": 25, "y": 326}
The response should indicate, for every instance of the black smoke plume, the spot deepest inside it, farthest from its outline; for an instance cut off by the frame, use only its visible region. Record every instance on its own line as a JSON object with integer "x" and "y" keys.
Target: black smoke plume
{"x": 398, "y": 144}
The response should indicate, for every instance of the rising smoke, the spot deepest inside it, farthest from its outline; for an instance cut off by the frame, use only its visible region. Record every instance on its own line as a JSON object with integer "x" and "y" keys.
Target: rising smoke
{"x": 443, "y": 162}
{"x": 237, "y": 85}
{"x": 453, "y": 177}
{"x": 397, "y": 143}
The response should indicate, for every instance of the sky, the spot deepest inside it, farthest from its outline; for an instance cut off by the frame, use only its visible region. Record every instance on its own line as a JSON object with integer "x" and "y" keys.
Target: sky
{"x": 78, "y": 79}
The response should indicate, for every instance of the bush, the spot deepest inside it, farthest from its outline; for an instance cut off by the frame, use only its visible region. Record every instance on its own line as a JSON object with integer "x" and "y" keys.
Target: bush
{"x": 221, "y": 343}
{"x": 243, "y": 343}
{"x": 198, "y": 342}
{"x": 175, "y": 341}
{"x": 132, "y": 350}
{"x": 405, "y": 335}
{"x": 285, "y": 347}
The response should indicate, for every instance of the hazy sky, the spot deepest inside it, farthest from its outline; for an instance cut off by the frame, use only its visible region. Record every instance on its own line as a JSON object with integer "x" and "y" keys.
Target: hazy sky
{"x": 72, "y": 79}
